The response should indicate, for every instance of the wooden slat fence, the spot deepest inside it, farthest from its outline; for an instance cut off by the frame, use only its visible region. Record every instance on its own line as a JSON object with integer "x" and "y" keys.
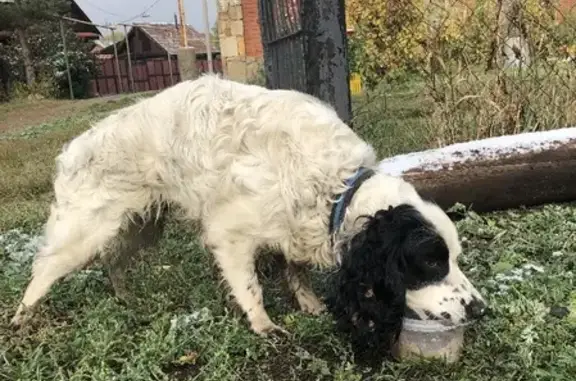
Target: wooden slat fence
{"x": 149, "y": 74}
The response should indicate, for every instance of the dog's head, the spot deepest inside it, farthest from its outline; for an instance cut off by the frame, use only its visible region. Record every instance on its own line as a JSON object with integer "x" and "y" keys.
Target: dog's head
{"x": 400, "y": 264}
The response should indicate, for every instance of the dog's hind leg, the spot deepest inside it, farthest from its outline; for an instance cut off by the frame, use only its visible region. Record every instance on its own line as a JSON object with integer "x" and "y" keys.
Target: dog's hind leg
{"x": 237, "y": 261}
{"x": 299, "y": 283}
{"x": 73, "y": 238}
{"x": 139, "y": 235}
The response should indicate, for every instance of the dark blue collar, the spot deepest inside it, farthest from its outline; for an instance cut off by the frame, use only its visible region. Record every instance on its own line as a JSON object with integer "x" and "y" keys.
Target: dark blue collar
{"x": 340, "y": 205}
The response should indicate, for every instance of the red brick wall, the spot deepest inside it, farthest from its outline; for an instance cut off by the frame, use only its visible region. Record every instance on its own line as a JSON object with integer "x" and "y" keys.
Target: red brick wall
{"x": 252, "y": 41}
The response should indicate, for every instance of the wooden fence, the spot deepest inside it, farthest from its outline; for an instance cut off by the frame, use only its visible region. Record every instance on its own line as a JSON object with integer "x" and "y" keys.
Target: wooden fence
{"x": 148, "y": 74}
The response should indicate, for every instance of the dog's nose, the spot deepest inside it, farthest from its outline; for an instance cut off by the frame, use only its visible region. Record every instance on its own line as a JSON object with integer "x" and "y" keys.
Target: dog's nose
{"x": 475, "y": 309}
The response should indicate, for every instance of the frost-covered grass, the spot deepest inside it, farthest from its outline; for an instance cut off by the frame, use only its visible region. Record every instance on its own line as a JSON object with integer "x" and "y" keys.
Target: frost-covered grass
{"x": 178, "y": 325}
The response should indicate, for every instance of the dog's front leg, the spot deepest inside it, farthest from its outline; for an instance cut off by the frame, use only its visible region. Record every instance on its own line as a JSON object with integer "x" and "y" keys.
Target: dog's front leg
{"x": 237, "y": 262}
{"x": 299, "y": 283}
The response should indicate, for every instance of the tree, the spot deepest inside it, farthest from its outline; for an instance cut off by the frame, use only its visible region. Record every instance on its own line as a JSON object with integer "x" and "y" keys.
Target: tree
{"x": 109, "y": 38}
{"x": 45, "y": 43}
{"x": 511, "y": 37}
{"x": 21, "y": 15}
{"x": 391, "y": 35}
{"x": 400, "y": 35}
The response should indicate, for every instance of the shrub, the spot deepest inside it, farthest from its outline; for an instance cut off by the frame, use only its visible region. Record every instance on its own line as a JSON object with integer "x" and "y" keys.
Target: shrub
{"x": 474, "y": 105}
{"x": 453, "y": 51}
{"x": 47, "y": 49}
{"x": 258, "y": 75}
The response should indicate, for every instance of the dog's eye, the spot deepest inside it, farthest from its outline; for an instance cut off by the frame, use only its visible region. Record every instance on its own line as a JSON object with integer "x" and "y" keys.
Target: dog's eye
{"x": 433, "y": 263}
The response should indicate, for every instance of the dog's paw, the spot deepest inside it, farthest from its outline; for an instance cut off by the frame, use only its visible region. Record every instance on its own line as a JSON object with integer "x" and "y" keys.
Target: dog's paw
{"x": 18, "y": 320}
{"x": 265, "y": 327}
{"x": 310, "y": 304}
{"x": 123, "y": 296}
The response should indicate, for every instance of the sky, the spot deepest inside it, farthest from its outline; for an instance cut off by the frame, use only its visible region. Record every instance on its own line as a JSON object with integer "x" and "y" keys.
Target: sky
{"x": 128, "y": 11}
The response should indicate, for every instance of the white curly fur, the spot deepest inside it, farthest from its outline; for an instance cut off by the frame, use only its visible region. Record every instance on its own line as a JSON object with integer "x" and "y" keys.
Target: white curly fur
{"x": 258, "y": 168}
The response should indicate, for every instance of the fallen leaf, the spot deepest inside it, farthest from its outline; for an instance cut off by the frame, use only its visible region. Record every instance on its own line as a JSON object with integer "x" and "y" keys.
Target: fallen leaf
{"x": 188, "y": 359}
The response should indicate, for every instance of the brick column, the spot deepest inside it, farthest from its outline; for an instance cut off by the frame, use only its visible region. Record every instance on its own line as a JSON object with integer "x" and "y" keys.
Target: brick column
{"x": 252, "y": 35}
{"x": 187, "y": 64}
{"x": 239, "y": 33}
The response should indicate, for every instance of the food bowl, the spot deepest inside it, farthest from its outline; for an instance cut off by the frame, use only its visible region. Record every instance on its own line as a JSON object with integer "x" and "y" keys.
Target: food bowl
{"x": 430, "y": 339}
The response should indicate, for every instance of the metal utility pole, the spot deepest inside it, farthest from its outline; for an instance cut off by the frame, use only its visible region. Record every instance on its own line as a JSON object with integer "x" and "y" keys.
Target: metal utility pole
{"x": 183, "y": 28}
{"x": 129, "y": 58}
{"x": 120, "y": 88}
{"x": 63, "y": 34}
{"x": 208, "y": 36}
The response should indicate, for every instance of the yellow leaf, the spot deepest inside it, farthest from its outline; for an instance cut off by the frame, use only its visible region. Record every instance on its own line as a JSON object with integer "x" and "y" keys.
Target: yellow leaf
{"x": 188, "y": 359}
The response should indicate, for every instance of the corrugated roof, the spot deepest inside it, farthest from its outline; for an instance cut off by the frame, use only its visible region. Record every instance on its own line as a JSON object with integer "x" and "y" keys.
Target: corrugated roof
{"x": 168, "y": 37}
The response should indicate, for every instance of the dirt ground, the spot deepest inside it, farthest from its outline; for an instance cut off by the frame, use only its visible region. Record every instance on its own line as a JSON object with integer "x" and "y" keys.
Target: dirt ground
{"x": 20, "y": 114}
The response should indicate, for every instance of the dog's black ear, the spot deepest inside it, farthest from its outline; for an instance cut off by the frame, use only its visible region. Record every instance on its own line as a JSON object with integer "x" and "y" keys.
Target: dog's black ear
{"x": 368, "y": 293}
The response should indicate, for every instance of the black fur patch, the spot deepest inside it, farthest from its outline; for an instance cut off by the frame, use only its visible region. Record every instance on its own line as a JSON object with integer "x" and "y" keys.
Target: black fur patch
{"x": 397, "y": 250}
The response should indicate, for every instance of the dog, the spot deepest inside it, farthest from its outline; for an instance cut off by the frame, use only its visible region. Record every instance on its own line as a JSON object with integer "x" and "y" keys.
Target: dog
{"x": 259, "y": 169}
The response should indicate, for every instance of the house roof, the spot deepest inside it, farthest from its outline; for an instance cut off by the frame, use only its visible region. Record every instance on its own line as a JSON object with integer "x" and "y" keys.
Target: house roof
{"x": 82, "y": 30}
{"x": 86, "y": 31}
{"x": 167, "y": 36}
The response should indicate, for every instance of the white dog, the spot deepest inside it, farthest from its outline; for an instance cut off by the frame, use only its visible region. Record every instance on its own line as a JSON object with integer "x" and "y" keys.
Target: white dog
{"x": 259, "y": 169}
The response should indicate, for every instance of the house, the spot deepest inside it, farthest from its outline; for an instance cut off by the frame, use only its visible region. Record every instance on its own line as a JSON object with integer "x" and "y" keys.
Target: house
{"x": 98, "y": 46}
{"x": 153, "y": 63}
{"x": 87, "y": 32}
{"x": 159, "y": 40}
{"x": 83, "y": 31}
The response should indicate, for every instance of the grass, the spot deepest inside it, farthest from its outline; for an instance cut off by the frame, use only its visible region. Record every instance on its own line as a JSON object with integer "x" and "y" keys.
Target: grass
{"x": 24, "y": 113}
{"x": 472, "y": 104}
{"x": 179, "y": 326}
{"x": 460, "y": 103}
{"x": 394, "y": 118}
